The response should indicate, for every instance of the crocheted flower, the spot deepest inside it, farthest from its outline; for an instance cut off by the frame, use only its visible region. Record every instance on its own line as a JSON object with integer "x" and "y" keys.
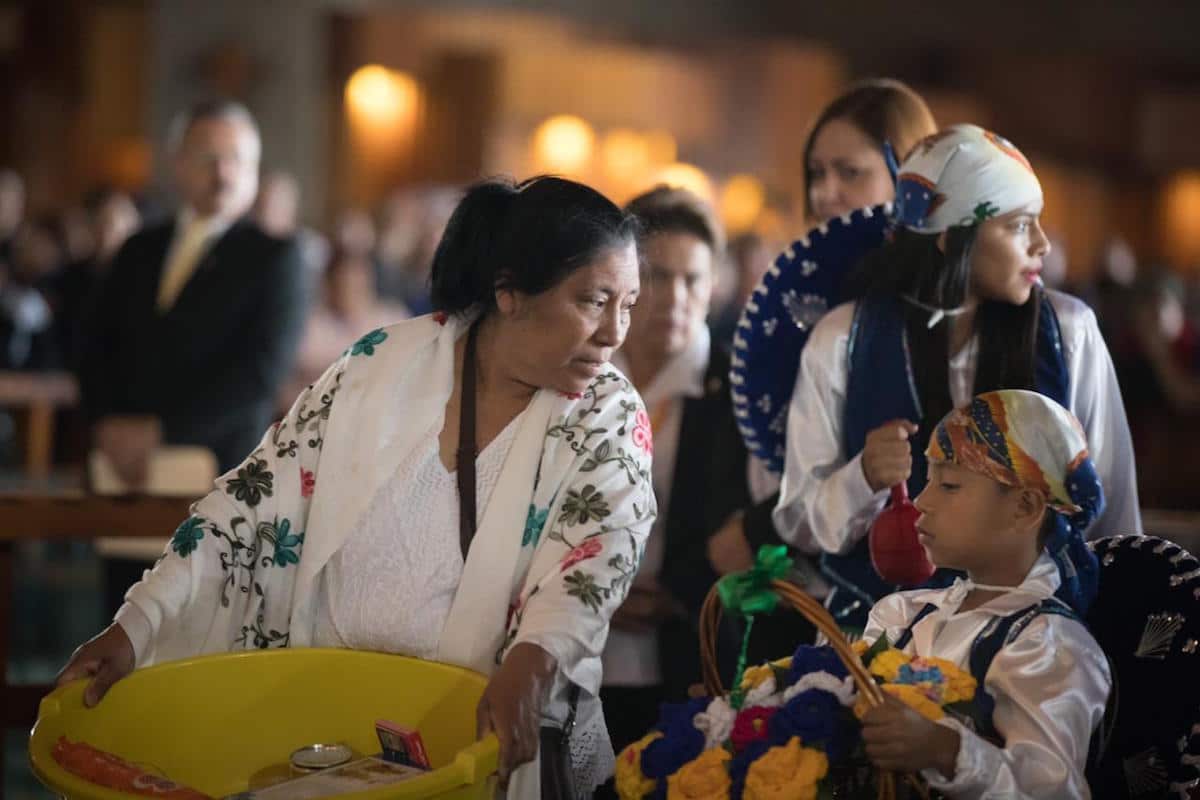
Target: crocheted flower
{"x": 631, "y": 782}
{"x": 808, "y": 658}
{"x": 715, "y": 722}
{"x": 916, "y": 698}
{"x": 860, "y": 647}
{"x": 741, "y": 762}
{"x": 812, "y": 715}
{"x": 681, "y": 741}
{"x": 750, "y": 726}
{"x": 706, "y": 778}
{"x": 753, "y": 676}
{"x": 887, "y": 664}
{"x": 790, "y": 772}
{"x": 955, "y": 683}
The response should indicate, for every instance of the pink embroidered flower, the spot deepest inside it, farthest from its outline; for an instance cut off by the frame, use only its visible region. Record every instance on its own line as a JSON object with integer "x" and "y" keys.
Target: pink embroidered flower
{"x": 308, "y": 482}
{"x": 643, "y": 437}
{"x": 750, "y": 726}
{"x": 440, "y": 317}
{"x": 589, "y": 549}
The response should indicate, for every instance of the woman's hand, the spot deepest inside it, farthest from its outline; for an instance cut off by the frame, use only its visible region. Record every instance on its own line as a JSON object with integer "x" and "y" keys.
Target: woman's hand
{"x": 901, "y": 740}
{"x": 105, "y": 658}
{"x": 728, "y": 550}
{"x": 512, "y": 703}
{"x": 887, "y": 454}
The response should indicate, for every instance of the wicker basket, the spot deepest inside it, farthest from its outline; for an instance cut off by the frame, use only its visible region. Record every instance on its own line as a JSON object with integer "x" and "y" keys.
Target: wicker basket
{"x": 814, "y": 612}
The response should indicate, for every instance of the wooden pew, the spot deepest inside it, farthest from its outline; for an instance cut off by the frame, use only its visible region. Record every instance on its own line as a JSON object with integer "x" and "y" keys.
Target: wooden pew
{"x": 39, "y": 394}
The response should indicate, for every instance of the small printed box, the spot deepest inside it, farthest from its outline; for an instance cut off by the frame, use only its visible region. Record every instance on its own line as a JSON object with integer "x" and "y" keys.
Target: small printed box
{"x": 401, "y": 744}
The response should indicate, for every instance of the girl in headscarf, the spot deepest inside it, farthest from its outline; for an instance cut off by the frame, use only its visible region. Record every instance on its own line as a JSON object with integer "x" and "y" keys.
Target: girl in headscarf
{"x": 952, "y": 305}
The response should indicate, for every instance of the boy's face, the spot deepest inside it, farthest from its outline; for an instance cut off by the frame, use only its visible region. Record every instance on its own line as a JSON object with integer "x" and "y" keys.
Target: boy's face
{"x": 969, "y": 521}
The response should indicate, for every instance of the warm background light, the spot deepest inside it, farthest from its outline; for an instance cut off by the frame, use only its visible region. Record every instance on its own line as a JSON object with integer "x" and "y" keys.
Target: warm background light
{"x": 625, "y": 155}
{"x": 381, "y": 97}
{"x": 662, "y": 147}
{"x": 1181, "y": 220}
{"x": 686, "y": 176}
{"x": 742, "y": 201}
{"x": 563, "y": 144}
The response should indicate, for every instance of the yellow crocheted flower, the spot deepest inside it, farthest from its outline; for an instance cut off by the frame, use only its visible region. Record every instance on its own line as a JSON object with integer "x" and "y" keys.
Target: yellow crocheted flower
{"x": 915, "y": 698}
{"x": 959, "y": 684}
{"x": 790, "y": 772}
{"x": 753, "y": 676}
{"x": 860, "y": 646}
{"x": 631, "y": 783}
{"x": 887, "y": 664}
{"x": 706, "y": 778}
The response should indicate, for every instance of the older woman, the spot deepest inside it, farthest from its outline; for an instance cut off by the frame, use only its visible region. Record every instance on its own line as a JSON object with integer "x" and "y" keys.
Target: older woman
{"x": 353, "y": 522}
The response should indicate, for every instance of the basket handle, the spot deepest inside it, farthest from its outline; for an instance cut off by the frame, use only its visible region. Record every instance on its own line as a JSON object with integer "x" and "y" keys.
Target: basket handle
{"x": 814, "y": 612}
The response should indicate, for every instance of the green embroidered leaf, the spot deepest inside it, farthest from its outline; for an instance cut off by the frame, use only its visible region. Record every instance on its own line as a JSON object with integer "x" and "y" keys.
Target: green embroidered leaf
{"x": 583, "y": 585}
{"x": 585, "y": 505}
{"x": 253, "y": 482}
{"x": 366, "y": 345}
{"x": 535, "y": 520}
{"x": 603, "y": 449}
{"x": 187, "y": 537}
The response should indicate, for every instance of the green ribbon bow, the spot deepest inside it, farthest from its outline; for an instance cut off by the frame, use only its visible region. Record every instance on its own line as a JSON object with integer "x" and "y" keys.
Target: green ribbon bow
{"x": 750, "y": 593}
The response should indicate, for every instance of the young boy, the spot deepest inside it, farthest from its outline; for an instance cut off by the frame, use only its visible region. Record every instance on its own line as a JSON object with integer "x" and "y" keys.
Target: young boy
{"x": 1011, "y": 490}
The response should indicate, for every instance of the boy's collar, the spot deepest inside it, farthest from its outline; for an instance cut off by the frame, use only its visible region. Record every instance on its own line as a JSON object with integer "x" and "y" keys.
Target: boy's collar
{"x": 1041, "y": 582}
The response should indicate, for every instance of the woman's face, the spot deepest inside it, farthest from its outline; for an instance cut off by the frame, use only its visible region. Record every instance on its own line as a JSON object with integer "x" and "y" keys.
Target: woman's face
{"x": 564, "y": 337}
{"x": 846, "y": 171}
{"x": 679, "y": 282}
{"x": 1006, "y": 260}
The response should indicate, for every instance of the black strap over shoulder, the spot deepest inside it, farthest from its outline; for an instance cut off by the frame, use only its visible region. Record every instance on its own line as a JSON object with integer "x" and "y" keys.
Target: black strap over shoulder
{"x": 467, "y": 452}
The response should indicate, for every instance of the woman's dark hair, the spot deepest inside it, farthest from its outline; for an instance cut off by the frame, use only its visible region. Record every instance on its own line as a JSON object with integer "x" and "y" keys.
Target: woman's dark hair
{"x": 665, "y": 209}
{"x": 524, "y": 236}
{"x": 912, "y": 264}
{"x": 884, "y": 110}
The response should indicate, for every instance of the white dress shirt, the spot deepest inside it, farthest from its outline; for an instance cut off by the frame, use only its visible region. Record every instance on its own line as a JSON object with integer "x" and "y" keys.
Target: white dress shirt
{"x": 1050, "y": 687}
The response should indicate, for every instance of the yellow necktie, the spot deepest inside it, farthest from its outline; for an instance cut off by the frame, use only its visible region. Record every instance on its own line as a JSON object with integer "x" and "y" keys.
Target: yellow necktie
{"x": 184, "y": 257}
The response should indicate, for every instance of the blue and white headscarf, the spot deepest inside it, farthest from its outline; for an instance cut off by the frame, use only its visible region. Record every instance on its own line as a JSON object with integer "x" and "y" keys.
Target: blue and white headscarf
{"x": 963, "y": 175}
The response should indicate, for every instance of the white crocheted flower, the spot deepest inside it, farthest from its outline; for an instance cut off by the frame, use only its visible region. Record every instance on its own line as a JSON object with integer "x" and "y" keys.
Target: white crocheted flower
{"x": 716, "y": 722}
{"x": 841, "y": 688}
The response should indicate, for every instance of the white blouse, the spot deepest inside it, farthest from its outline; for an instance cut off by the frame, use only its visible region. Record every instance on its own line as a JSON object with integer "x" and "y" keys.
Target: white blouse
{"x": 825, "y": 502}
{"x": 410, "y": 529}
{"x": 1050, "y": 686}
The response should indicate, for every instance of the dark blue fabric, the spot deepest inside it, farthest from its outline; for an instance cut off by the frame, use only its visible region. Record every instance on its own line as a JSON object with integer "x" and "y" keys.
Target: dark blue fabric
{"x": 807, "y": 280}
{"x": 987, "y": 645}
{"x": 880, "y": 388}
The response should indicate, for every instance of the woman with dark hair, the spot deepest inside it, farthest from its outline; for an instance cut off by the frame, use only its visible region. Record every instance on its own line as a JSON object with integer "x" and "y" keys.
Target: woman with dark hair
{"x": 471, "y": 486}
{"x": 950, "y": 307}
{"x": 849, "y": 163}
{"x": 851, "y": 153}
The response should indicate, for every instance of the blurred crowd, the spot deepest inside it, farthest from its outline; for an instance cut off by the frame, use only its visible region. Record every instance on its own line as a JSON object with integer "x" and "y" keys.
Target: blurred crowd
{"x": 371, "y": 267}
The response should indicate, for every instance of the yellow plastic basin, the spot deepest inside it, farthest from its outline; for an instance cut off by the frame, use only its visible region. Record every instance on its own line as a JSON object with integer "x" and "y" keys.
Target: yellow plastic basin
{"x": 213, "y": 722}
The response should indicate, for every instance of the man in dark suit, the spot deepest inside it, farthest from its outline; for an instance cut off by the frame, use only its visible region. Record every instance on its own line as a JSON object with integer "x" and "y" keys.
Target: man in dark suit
{"x": 200, "y": 316}
{"x": 701, "y": 468}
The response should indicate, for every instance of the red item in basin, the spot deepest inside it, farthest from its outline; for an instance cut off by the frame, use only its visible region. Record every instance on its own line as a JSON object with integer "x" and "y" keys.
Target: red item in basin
{"x": 105, "y": 769}
{"x": 896, "y": 552}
